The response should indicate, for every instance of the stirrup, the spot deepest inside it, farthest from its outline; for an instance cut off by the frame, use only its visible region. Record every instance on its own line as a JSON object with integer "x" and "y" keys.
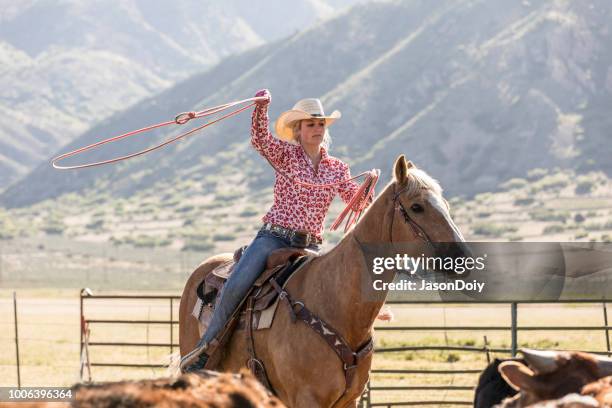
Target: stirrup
{"x": 193, "y": 358}
{"x": 199, "y": 365}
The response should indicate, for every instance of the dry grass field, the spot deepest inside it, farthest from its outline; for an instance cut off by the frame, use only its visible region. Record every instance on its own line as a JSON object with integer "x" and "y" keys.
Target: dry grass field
{"x": 49, "y": 340}
{"x": 149, "y": 244}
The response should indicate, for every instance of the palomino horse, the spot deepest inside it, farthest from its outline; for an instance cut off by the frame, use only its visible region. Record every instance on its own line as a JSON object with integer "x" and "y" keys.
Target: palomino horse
{"x": 302, "y": 368}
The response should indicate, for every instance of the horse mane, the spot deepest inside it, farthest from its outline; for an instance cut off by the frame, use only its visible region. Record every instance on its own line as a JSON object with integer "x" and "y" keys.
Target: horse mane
{"x": 418, "y": 180}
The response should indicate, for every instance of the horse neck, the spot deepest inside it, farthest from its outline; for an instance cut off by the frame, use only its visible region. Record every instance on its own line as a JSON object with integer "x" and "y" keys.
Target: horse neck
{"x": 335, "y": 280}
{"x": 375, "y": 225}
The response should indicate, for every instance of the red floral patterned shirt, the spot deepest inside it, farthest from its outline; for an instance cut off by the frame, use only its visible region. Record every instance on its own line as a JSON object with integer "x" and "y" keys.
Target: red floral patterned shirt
{"x": 295, "y": 206}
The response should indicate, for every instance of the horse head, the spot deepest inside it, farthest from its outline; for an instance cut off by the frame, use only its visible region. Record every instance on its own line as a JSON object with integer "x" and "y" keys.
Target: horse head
{"x": 411, "y": 209}
{"x": 420, "y": 212}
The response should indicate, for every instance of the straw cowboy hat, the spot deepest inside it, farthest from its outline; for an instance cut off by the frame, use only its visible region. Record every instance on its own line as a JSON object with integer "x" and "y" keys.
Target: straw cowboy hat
{"x": 310, "y": 108}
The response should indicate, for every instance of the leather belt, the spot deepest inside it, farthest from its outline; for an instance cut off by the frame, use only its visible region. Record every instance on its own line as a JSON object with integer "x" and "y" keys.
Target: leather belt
{"x": 300, "y": 239}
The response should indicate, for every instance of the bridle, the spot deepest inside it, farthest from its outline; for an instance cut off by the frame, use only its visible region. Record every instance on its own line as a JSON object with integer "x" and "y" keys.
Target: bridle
{"x": 416, "y": 228}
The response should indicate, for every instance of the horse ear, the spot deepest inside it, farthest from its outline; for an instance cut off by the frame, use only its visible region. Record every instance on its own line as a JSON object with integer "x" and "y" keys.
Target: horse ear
{"x": 400, "y": 169}
{"x": 410, "y": 165}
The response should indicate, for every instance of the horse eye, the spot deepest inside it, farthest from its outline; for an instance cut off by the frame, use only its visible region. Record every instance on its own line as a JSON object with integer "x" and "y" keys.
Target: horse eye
{"x": 417, "y": 208}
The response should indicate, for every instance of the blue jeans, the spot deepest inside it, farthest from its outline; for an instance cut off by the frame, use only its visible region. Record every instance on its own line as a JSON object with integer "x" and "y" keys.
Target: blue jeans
{"x": 252, "y": 263}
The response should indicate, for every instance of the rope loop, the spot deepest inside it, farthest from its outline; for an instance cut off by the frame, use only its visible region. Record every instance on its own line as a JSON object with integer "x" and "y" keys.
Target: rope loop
{"x": 184, "y": 117}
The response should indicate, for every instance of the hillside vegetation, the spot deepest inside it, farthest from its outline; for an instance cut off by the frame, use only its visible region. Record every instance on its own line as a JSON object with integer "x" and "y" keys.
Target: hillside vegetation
{"x": 155, "y": 238}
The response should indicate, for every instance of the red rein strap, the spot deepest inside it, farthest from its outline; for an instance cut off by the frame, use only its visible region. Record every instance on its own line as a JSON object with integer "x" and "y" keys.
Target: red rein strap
{"x": 356, "y": 205}
{"x": 180, "y": 119}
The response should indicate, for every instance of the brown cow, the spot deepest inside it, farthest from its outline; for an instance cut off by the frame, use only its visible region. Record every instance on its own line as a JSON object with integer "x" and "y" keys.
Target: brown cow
{"x": 551, "y": 376}
{"x": 593, "y": 395}
{"x": 205, "y": 390}
{"x": 601, "y": 390}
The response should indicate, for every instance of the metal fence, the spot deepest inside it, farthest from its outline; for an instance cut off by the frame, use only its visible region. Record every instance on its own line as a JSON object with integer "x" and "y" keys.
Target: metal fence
{"x": 372, "y": 389}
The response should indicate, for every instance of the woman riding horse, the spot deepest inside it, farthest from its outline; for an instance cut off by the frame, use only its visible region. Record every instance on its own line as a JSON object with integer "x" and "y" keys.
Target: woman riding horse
{"x": 298, "y": 211}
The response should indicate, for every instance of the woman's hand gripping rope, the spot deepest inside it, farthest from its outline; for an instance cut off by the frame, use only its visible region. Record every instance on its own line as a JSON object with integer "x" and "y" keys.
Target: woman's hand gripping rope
{"x": 355, "y": 207}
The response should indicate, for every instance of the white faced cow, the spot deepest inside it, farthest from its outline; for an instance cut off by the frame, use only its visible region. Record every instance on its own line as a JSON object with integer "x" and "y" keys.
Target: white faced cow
{"x": 550, "y": 376}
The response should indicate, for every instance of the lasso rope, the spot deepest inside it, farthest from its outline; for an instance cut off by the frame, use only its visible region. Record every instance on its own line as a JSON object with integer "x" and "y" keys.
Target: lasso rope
{"x": 355, "y": 207}
{"x": 180, "y": 119}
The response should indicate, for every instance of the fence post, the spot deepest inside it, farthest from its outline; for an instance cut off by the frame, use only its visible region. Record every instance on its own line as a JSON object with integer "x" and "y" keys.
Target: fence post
{"x": 171, "y": 325}
{"x": 81, "y": 321}
{"x": 486, "y": 349}
{"x": 16, "y": 340}
{"x": 605, "y": 313}
{"x": 513, "y": 311}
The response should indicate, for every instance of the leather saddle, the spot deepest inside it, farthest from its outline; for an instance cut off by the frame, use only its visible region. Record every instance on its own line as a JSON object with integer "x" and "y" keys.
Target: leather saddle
{"x": 280, "y": 265}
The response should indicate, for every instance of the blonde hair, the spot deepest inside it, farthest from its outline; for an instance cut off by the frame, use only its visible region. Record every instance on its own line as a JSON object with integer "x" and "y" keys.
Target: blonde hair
{"x": 295, "y": 129}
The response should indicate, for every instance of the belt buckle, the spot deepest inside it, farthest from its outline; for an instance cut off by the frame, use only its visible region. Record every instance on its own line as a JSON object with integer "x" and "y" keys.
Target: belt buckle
{"x": 300, "y": 240}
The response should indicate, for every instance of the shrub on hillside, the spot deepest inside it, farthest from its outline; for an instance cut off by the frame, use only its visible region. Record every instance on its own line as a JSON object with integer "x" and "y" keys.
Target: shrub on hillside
{"x": 584, "y": 187}
{"x": 524, "y": 201}
{"x": 7, "y": 234}
{"x": 492, "y": 230}
{"x": 141, "y": 241}
{"x": 549, "y": 215}
{"x": 514, "y": 184}
{"x": 598, "y": 226}
{"x": 227, "y": 195}
{"x": 553, "y": 229}
{"x": 581, "y": 234}
{"x": 94, "y": 225}
{"x": 224, "y": 236}
{"x": 53, "y": 225}
{"x": 185, "y": 208}
{"x": 578, "y": 218}
{"x": 248, "y": 212}
{"x": 198, "y": 245}
{"x": 552, "y": 182}
{"x": 536, "y": 174}
{"x": 482, "y": 197}
{"x": 147, "y": 241}
{"x": 7, "y": 227}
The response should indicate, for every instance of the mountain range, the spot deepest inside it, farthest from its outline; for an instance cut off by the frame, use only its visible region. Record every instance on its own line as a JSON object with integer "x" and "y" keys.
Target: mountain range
{"x": 67, "y": 64}
{"x": 474, "y": 91}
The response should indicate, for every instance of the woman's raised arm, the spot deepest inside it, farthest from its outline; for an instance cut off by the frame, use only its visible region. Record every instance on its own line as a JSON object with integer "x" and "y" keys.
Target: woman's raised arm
{"x": 261, "y": 138}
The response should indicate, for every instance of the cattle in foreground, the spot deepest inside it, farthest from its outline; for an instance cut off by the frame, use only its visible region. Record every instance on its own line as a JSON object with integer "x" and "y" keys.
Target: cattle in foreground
{"x": 492, "y": 388}
{"x": 558, "y": 379}
{"x": 203, "y": 390}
